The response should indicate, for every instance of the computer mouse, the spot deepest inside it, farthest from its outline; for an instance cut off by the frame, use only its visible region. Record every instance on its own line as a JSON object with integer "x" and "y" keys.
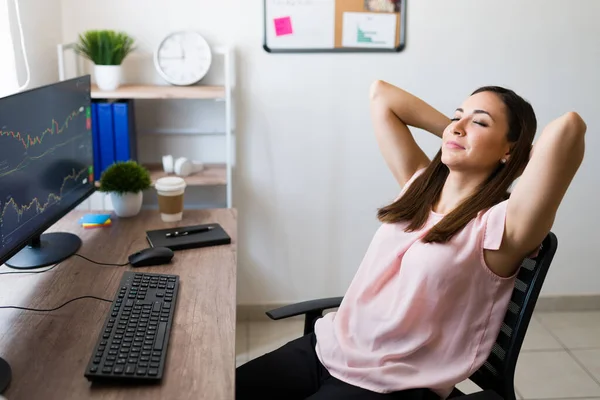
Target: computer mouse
{"x": 151, "y": 256}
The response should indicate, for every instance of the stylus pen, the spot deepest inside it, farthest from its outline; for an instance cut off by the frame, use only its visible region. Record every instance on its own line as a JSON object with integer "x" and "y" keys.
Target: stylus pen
{"x": 189, "y": 232}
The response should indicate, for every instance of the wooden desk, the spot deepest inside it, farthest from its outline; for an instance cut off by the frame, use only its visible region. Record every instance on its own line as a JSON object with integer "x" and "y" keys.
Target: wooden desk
{"x": 48, "y": 351}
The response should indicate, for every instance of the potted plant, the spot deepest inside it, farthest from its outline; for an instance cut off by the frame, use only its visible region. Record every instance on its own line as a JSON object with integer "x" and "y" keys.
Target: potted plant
{"x": 125, "y": 181}
{"x": 106, "y": 49}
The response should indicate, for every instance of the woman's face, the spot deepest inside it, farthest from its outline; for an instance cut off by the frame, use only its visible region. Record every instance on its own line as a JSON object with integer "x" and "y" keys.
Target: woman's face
{"x": 476, "y": 139}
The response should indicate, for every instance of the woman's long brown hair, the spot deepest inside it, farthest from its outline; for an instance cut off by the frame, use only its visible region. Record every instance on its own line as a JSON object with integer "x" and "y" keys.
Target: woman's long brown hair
{"x": 419, "y": 198}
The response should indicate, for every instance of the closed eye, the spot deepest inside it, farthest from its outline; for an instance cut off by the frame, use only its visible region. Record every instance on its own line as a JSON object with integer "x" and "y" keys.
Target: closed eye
{"x": 480, "y": 123}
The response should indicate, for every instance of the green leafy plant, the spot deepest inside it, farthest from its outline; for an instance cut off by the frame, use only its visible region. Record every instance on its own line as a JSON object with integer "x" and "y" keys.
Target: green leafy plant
{"x": 125, "y": 177}
{"x": 105, "y": 47}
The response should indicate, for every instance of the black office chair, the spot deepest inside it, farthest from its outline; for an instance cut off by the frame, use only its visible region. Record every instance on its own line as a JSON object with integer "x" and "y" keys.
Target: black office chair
{"x": 496, "y": 375}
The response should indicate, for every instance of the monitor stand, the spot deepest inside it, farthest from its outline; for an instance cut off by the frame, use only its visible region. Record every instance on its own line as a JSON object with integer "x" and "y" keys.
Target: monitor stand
{"x": 5, "y": 375}
{"x": 44, "y": 250}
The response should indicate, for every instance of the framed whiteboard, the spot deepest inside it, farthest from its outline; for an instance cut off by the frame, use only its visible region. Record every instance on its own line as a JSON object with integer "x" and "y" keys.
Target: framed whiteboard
{"x": 309, "y": 26}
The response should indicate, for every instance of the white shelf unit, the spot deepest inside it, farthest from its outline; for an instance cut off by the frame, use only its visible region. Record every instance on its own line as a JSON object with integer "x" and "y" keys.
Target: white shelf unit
{"x": 213, "y": 174}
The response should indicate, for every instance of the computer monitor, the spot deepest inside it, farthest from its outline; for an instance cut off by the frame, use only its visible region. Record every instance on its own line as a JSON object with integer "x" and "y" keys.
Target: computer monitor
{"x": 46, "y": 170}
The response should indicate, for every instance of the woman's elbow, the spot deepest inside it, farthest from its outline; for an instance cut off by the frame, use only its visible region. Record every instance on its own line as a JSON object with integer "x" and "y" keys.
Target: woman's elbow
{"x": 575, "y": 125}
{"x": 572, "y": 136}
{"x": 376, "y": 89}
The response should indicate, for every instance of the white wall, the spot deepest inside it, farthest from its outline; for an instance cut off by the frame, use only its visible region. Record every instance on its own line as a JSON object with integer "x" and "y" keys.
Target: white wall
{"x": 309, "y": 176}
{"x": 8, "y": 72}
{"x": 42, "y": 31}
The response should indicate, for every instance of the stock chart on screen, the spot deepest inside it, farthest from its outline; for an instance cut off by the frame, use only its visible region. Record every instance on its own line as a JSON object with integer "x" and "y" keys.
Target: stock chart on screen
{"x": 45, "y": 156}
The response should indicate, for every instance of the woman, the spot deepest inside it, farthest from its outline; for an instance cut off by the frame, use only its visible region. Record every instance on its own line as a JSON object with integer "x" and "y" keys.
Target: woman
{"x": 428, "y": 300}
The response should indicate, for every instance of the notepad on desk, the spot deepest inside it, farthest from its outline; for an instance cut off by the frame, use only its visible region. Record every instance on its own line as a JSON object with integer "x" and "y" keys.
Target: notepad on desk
{"x": 188, "y": 237}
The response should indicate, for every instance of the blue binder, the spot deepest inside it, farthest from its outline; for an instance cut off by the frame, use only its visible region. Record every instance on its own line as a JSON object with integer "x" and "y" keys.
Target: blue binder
{"x": 96, "y": 141}
{"x": 124, "y": 131}
{"x": 106, "y": 135}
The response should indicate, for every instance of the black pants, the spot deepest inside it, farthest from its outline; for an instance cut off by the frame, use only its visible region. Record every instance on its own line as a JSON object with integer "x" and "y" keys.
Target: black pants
{"x": 294, "y": 372}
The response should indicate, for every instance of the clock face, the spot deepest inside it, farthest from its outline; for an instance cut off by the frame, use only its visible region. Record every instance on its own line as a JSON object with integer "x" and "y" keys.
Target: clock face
{"x": 183, "y": 58}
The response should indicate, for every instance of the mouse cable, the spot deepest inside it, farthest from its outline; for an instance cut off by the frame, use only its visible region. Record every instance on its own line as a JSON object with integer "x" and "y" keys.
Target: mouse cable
{"x": 100, "y": 263}
{"x": 30, "y": 272}
{"x": 56, "y": 308}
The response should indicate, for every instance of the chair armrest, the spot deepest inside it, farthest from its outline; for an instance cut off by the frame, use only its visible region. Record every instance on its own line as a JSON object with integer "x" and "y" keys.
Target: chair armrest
{"x": 305, "y": 307}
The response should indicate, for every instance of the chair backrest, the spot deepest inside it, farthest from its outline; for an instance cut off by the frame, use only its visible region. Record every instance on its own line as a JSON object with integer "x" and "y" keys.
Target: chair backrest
{"x": 497, "y": 373}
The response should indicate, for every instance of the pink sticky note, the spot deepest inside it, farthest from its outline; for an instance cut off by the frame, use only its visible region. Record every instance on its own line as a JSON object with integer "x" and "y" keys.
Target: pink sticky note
{"x": 283, "y": 26}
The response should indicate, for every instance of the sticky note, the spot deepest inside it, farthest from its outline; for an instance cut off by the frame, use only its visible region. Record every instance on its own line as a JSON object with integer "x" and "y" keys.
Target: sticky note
{"x": 107, "y": 223}
{"x": 283, "y": 26}
{"x": 94, "y": 219}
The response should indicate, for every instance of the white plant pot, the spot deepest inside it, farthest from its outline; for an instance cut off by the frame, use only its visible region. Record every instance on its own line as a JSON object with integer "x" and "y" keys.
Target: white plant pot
{"x": 127, "y": 204}
{"x": 108, "y": 77}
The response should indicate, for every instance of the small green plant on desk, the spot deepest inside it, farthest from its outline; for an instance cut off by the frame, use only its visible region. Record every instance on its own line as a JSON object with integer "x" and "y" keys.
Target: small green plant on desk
{"x": 125, "y": 181}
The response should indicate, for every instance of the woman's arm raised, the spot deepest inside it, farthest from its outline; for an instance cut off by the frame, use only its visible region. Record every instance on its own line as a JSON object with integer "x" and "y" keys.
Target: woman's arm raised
{"x": 392, "y": 111}
{"x": 534, "y": 201}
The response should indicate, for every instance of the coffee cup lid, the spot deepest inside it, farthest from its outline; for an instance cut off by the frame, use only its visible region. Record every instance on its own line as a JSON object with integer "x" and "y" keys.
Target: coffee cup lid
{"x": 170, "y": 184}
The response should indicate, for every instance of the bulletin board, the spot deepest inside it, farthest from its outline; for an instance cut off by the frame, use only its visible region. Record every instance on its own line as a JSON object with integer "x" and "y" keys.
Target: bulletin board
{"x": 308, "y": 26}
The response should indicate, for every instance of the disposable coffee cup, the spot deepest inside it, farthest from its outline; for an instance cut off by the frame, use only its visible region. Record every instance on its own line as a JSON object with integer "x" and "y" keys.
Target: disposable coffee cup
{"x": 170, "y": 191}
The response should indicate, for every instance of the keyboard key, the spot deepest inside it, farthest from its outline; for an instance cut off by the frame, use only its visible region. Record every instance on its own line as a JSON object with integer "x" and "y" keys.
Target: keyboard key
{"x": 118, "y": 369}
{"x": 160, "y": 336}
{"x": 141, "y": 371}
{"x": 153, "y": 371}
{"x": 94, "y": 369}
{"x": 130, "y": 370}
{"x": 106, "y": 370}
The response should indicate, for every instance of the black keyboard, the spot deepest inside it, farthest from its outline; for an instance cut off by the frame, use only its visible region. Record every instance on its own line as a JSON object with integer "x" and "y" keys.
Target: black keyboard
{"x": 132, "y": 345}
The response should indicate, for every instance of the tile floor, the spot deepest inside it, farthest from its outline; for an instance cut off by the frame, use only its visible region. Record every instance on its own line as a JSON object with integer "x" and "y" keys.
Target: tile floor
{"x": 560, "y": 358}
